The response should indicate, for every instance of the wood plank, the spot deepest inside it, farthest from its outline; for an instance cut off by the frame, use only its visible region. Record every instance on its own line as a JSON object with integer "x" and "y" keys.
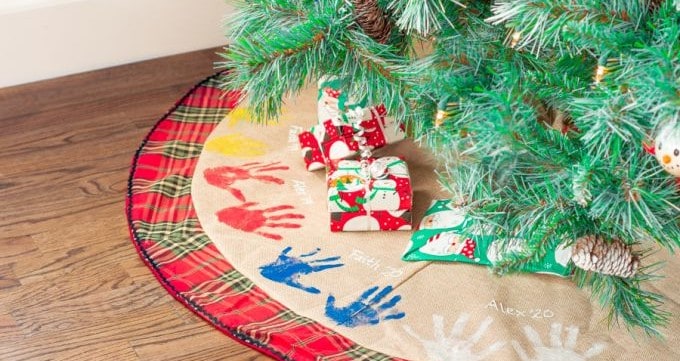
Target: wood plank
{"x": 72, "y": 286}
{"x": 13, "y": 247}
{"x": 9, "y": 330}
{"x": 202, "y": 344}
{"x": 136, "y": 78}
{"x": 77, "y": 312}
{"x": 7, "y": 277}
{"x": 54, "y": 344}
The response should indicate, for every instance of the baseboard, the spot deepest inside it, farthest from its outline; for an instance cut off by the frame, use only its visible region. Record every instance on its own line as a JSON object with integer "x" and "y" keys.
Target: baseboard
{"x": 43, "y": 39}
{"x": 13, "y": 6}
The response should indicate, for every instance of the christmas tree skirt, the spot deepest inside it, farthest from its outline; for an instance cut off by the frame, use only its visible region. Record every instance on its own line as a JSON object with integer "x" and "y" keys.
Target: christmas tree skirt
{"x": 227, "y": 217}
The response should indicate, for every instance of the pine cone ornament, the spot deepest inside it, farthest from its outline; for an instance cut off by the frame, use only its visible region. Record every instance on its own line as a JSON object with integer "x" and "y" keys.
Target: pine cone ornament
{"x": 373, "y": 20}
{"x": 593, "y": 253}
{"x": 654, "y": 4}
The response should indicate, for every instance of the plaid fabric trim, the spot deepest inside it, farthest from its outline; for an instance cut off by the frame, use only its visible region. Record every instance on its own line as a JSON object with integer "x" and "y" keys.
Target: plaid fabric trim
{"x": 174, "y": 149}
{"x": 172, "y": 186}
{"x": 180, "y": 238}
{"x": 191, "y": 115}
{"x": 168, "y": 235}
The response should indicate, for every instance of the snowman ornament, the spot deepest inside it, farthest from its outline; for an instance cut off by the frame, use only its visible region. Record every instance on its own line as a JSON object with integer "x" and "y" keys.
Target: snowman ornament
{"x": 667, "y": 148}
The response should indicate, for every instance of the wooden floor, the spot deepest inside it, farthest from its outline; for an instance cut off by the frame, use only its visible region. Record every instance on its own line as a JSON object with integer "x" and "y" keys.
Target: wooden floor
{"x": 71, "y": 284}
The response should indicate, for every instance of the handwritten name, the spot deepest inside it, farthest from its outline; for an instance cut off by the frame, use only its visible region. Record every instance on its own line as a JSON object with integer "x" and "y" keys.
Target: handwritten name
{"x": 293, "y": 143}
{"x": 535, "y": 313}
{"x": 300, "y": 188}
{"x": 375, "y": 264}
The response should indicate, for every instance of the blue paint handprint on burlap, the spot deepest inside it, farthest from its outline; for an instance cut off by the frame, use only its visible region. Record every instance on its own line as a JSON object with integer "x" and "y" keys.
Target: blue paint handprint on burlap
{"x": 364, "y": 312}
{"x": 288, "y": 269}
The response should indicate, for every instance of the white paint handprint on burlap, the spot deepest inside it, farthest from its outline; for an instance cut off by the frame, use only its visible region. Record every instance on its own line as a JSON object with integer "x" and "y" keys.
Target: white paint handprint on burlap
{"x": 457, "y": 346}
{"x": 557, "y": 350}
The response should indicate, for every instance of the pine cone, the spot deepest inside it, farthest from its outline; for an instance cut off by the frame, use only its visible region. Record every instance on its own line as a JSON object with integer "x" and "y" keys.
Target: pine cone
{"x": 373, "y": 20}
{"x": 593, "y": 253}
{"x": 654, "y": 4}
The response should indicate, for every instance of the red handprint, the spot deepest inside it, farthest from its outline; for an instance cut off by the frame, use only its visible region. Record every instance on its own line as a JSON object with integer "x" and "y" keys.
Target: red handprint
{"x": 224, "y": 177}
{"x": 250, "y": 220}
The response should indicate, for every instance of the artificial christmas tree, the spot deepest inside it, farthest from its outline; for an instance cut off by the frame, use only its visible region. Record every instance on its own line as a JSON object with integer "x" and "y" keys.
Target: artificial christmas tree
{"x": 539, "y": 110}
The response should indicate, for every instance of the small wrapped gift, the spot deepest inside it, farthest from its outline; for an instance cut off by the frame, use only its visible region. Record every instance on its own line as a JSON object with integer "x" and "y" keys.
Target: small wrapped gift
{"x": 332, "y": 102}
{"x": 332, "y": 141}
{"x": 374, "y": 197}
{"x": 339, "y": 120}
{"x": 310, "y": 144}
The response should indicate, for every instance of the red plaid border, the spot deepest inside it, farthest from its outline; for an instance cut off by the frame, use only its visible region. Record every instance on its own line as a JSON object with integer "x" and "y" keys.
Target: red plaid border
{"x": 165, "y": 230}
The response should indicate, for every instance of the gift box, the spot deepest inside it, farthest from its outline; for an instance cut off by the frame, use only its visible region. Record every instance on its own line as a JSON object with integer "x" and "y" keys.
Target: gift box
{"x": 312, "y": 154}
{"x": 333, "y": 138}
{"x": 332, "y": 141}
{"x": 332, "y": 102}
{"x": 378, "y": 199}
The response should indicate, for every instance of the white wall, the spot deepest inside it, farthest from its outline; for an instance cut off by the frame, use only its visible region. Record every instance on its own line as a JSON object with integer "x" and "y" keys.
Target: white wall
{"x": 41, "y": 39}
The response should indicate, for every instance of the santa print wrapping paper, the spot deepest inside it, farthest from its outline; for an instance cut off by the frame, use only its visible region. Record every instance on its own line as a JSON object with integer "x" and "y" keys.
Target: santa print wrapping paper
{"x": 376, "y": 221}
{"x": 360, "y": 202}
{"x": 332, "y": 102}
{"x": 236, "y": 228}
{"x": 444, "y": 235}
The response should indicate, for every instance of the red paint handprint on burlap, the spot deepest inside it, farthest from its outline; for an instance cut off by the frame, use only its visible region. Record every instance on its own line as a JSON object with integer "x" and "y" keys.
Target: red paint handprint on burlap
{"x": 224, "y": 177}
{"x": 252, "y": 220}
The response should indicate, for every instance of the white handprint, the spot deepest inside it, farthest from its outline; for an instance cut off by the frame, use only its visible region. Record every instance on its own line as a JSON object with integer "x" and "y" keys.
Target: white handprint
{"x": 455, "y": 346}
{"x": 557, "y": 351}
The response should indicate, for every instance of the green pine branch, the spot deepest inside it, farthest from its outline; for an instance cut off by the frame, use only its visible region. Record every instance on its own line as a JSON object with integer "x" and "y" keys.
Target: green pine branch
{"x": 626, "y": 300}
{"x": 303, "y": 41}
{"x": 574, "y": 25}
{"x": 486, "y": 98}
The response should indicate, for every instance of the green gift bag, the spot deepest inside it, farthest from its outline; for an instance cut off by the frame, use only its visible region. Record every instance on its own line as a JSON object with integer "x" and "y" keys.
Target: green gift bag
{"x": 444, "y": 235}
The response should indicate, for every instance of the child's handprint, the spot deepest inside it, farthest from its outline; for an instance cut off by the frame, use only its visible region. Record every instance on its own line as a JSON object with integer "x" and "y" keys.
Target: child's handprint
{"x": 363, "y": 312}
{"x": 557, "y": 351}
{"x": 251, "y": 220}
{"x": 225, "y": 176}
{"x": 456, "y": 346}
{"x": 288, "y": 269}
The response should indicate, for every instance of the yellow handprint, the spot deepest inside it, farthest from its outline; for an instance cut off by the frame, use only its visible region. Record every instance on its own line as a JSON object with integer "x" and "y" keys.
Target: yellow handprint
{"x": 243, "y": 115}
{"x": 237, "y": 145}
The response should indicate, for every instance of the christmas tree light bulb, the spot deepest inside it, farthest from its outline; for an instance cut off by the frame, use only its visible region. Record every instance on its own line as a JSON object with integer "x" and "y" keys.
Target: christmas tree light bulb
{"x": 600, "y": 73}
{"x": 439, "y": 119}
{"x": 515, "y": 39}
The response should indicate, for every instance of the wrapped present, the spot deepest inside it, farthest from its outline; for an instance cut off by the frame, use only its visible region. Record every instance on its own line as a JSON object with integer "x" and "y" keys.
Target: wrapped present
{"x": 332, "y": 102}
{"x": 377, "y": 200}
{"x": 338, "y": 142}
{"x": 445, "y": 234}
{"x": 333, "y": 137}
{"x": 312, "y": 154}
{"x": 330, "y": 141}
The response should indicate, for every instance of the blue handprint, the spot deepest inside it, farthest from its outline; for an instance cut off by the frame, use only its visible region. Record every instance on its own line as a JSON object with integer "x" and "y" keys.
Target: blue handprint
{"x": 288, "y": 269}
{"x": 363, "y": 312}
